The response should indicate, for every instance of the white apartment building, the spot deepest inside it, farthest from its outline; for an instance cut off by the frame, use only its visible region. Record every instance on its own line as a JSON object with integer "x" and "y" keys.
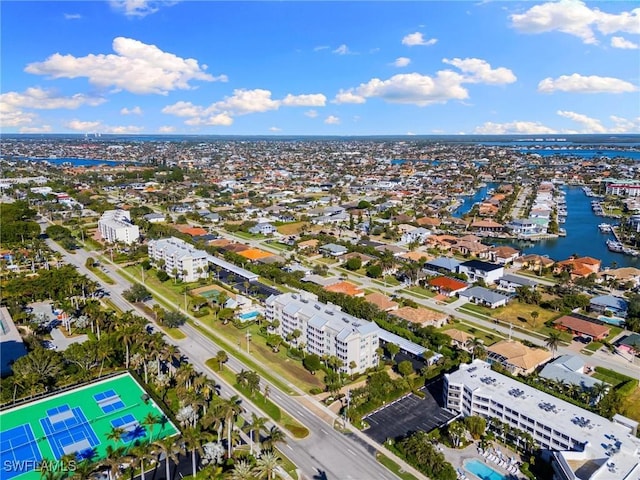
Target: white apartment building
{"x": 115, "y": 226}
{"x": 582, "y": 445}
{"x": 180, "y": 258}
{"x": 326, "y": 330}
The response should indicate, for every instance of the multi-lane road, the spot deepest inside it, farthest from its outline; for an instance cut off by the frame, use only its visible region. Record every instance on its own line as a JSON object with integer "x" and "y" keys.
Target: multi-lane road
{"x": 325, "y": 454}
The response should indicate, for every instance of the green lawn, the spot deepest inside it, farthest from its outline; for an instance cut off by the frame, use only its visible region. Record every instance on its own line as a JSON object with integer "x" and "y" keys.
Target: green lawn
{"x": 394, "y": 467}
{"x": 486, "y": 337}
{"x": 96, "y": 420}
{"x": 423, "y": 292}
{"x": 262, "y": 358}
{"x": 102, "y": 276}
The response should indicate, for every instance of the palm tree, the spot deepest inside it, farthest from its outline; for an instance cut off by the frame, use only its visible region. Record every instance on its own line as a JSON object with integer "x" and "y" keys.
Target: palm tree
{"x": 253, "y": 429}
{"x": 267, "y": 464}
{"x": 150, "y": 421}
{"x": 276, "y": 435}
{"x": 242, "y": 470}
{"x": 194, "y": 438}
{"x": 171, "y": 449}
{"x": 116, "y": 434}
{"x": 228, "y": 409}
{"x": 552, "y": 342}
{"x": 113, "y": 459}
{"x": 84, "y": 470}
{"x": 138, "y": 455}
{"x": 222, "y": 358}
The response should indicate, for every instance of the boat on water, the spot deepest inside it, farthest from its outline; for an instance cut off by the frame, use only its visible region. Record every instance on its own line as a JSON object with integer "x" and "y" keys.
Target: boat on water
{"x": 605, "y": 228}
{"x": 615, "y": 246}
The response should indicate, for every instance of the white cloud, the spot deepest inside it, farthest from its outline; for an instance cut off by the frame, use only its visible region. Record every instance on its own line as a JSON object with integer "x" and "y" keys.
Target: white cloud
{"x": 72, "y": 16}
{"x": 348, "y": 97}
{"x": 40, "y": 129}
{"x": 275, "y": 129}
{"x": 332, "y": 120}
{"x": 411, "y": 88}
{"x": 83, "y": 126}
{"x": 167, "y": 129}
{"x": 591, "y": 125}
{"x": 417, "y": 38}
{"x": 577, "y": 83}
{"x": 480, "y": 71}
{"x": 401, "y": 62}
{"x": 624, "y": 125}
{"x": 312, "y": 100}
{"x": 311, "y": 113}
{"x": 38, "y": 98}
{"x": 342, "y": 50}
{"x": 575, "y": 18}
{"x": 242, "y": 102}
{"x": 320, "y": 48}
{"x": 422, "y": 90}
{"x": 136, "y": 67}
{"x": 620, "y": 42}
{"x": 139, "y": 8}
{"x": 131, "y": 111}
{"x": 122, "y": 129}
{"x": 491, "y": 128}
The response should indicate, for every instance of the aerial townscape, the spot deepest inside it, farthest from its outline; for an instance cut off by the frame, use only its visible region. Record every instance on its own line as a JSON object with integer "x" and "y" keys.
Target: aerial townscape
{"x": 320, "y": 240}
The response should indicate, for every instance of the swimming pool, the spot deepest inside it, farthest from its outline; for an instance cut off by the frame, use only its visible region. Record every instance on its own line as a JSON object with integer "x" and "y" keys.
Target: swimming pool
{"x": 482, "y": 471}
{"x": 618, "y": 322}
{"x": 248, "y": 315}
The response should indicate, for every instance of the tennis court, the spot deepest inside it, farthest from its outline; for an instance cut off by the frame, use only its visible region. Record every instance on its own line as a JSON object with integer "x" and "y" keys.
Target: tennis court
{"x": 77, "y": 422}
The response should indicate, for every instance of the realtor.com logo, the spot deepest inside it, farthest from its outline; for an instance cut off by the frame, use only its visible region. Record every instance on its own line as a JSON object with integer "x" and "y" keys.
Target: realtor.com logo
{"x": 40, "y": 465}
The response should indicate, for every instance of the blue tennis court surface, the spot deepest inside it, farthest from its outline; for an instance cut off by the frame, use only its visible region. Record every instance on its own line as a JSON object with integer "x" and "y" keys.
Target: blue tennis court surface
{"x": 108, "y": 401}
{"x": 18, "y": 445}
{"x": 68, "y": 431}
{"x": 132, "y": 428}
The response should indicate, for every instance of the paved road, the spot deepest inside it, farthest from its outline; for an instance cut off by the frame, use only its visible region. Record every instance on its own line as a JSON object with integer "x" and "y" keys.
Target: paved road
{"x": 326, "y": 450}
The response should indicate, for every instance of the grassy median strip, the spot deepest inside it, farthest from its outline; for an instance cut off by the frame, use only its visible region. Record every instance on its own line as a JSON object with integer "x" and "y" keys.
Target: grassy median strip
{"x": 394, "y": 467}
{"x": 102, "y": 276}
{"x": 267, "y": 406}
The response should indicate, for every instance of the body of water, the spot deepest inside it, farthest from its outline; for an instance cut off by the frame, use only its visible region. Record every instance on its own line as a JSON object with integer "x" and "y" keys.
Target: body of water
{"x": 583, "y": 153}
{"x": 469, "y": 201}
{"x": 583, "y": 236}
{"x": 76, "y": 162}
{"x": 482, "y": 471}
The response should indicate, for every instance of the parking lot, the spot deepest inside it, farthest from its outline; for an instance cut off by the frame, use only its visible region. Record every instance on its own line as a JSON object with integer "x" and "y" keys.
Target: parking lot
{"x": 408, "y": 414}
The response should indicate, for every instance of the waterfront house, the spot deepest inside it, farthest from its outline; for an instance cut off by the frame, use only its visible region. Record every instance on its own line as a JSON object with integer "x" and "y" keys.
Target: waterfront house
{"x": 609, "y": 303}
{"x": 581, "y": 326}
{"x": 486, "y": 226}
{"x": 478, "y": 270}
{"x": 525, "y": 227}
{"x": 502, "y": 255}
{"x": 533, "y": 262}
{"x": 485, "y": 297}
{"x": 624, "y": 275}
{"x": 578, "y": 267}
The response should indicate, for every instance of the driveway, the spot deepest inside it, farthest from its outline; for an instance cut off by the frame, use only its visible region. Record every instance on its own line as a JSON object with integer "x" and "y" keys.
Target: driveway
{"x": 62, "y": 343}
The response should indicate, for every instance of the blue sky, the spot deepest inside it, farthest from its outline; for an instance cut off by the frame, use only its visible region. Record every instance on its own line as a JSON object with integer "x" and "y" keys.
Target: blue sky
{"x": 320, "y": 68}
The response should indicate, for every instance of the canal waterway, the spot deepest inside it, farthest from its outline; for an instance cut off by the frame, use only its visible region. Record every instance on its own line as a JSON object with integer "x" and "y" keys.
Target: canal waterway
{"x": 583, "y": 236}
{"x": 469, "y": 201}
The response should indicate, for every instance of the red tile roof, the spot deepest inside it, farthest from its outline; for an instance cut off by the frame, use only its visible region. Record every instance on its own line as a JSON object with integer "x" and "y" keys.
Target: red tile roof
{"x": 582, "y": 326}
{"x": 446, "y": 283}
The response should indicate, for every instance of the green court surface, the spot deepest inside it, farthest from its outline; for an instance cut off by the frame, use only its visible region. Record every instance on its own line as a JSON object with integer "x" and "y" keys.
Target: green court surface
{"x": 77, "y": 422}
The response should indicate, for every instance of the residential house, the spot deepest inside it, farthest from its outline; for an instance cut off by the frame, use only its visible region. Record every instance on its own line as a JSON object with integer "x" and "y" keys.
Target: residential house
{"x": 346, "y": 288}
{"x": 533, "y": 262}
{"x": 609, "y": 303}
{"x": 516, "y": 357}
{"x": 421, "y": 316}
{"x": 578, "y": 267}
{"x": 418, "y": 235}
{"x": 333, "y": 249}
{"x": 449, "y": 287}
{"x": 263, "y": 229}
{"x": 381, "y": 301}
{"x": 581, "y": 326}
{"x": 459, "y": 338}
{"x": 486, "y": 226}
{"x": 502, "y": 255}
{"x": 476, "y": 270}
{"x": 441, "y": 264}
{"x": 509, "y": 283}
{"x": 484, "y": 296}
{"x": 568, "y": 369}
{"x": 154, "y": 217}
{"x": 624, "y": 275}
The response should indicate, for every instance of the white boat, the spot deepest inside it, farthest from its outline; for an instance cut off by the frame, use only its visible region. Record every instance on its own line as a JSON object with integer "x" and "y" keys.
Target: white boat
{"x": 604, "y": 228}
{"x": 615, "y": 246}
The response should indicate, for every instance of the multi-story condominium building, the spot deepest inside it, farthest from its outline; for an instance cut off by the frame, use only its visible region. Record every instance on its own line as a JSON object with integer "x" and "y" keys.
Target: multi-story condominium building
{"x": 326, "y": 330}
{"x": 180, "y": 259}
{"x": 623, "y": 188}
{"x": 115, "y": 226}
{"x": 581, "y": 444}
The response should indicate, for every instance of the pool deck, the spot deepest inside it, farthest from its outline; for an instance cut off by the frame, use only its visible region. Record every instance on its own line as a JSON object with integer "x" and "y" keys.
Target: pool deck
{"x": 457, "y": 458}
